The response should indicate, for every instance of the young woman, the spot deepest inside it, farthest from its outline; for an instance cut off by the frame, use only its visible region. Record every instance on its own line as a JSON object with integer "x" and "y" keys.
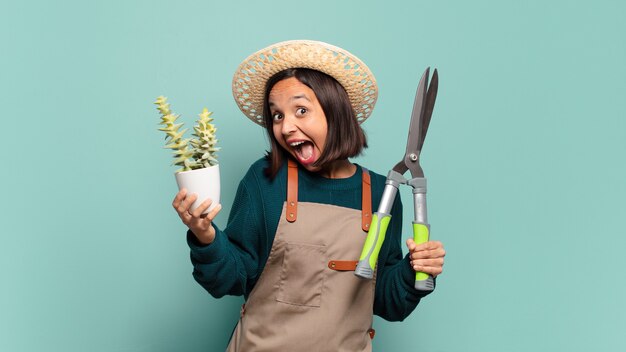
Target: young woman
{"x": 300, "y": 215}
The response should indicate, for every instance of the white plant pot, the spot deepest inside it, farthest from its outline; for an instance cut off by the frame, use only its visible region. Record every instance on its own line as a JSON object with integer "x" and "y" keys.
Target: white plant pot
{"x": 204, "y": 182}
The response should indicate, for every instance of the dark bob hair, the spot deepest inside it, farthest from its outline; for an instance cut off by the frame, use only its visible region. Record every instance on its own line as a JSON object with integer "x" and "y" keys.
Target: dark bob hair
{"x": 345, "y": 138}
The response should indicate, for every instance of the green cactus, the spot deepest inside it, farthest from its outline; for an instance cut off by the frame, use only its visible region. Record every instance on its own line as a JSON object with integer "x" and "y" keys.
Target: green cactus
{"x": 190, "y": 154}
{"x": 204, "y": 146}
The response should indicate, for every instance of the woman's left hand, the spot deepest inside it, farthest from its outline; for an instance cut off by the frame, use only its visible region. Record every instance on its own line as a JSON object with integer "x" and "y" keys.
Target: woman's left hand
{"x": 426, "y": 257}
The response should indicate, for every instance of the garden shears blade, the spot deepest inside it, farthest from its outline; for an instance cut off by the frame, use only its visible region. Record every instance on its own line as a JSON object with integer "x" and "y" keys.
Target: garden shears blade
{"x": 420, "y": 119}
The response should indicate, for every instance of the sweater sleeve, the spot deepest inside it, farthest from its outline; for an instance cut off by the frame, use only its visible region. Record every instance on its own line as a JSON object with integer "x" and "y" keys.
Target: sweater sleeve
{"x": 231, "y": 262}
{"x": 396, "y": 296}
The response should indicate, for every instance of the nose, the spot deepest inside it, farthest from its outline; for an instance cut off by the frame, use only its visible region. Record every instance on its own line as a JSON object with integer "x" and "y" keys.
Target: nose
{"x": 288, "y": 125}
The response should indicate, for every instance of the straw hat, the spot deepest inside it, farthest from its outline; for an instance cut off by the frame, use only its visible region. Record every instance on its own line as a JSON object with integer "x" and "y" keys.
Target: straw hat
{"x": 254, "y": 72}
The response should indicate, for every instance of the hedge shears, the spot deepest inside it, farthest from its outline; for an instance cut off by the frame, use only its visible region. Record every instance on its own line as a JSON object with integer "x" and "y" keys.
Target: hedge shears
{"x": 420, "y": 118}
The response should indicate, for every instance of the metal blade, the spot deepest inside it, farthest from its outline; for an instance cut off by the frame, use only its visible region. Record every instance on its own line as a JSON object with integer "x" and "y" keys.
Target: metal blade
{"x": 429, "y": 106}
{"x": 415, "y": 127}
{"x": 411, "y": 155}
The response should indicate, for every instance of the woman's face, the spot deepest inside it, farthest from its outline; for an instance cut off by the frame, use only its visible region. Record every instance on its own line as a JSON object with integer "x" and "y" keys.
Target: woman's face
{"x": 299, "y": 123}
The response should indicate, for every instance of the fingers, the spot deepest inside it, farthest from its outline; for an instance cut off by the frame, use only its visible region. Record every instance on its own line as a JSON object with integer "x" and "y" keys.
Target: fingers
{"x": 179, "y": 197}
{"x": 427, "y": 257}
{"x": 181, "y": 202}
{"x": 213, "y": 213}
{"x": 432, "y": 266}
{"x": 197, "y": 213}
{"x": 198, "y": 219}
{"x": 200, "y": 224}
{"x": 410, "y": 244}
{"x": 432, "y": 270}
{"x": 426, "y": 245}
{"x": 438, "y": 262}
{"x": 426, "y": 250}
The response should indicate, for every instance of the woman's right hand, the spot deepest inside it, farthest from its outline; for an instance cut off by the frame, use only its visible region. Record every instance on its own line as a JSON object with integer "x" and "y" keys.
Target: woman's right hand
{"x": 198, "y": 223}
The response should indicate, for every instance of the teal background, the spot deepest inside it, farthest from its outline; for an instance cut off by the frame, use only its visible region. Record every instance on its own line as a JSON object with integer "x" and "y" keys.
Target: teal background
{"x": 525, "y": 160}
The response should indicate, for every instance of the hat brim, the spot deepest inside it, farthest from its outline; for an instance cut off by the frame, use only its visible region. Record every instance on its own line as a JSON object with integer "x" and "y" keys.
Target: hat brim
{"x": 253, "y": 73}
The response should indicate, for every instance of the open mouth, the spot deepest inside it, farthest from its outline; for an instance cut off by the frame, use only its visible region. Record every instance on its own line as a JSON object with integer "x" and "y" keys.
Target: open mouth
{"x": 304, "y": 151}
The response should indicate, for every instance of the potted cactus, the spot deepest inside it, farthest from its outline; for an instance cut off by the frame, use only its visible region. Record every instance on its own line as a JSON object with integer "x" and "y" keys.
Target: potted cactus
{"x": 199, "y": 172}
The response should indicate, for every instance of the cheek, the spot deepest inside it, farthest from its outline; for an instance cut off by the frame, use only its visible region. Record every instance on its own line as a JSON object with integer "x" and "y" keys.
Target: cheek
{"x": 322, "y": 133}
{"x": 278, "y": 137}
{"x": 276, "y": 131}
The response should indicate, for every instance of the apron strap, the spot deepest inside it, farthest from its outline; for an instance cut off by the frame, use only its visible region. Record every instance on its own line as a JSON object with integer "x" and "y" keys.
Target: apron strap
{"x": 292, "y": 195}
{"x": 292, "y": 191}
{"x": 366, "y": 201}
{"x": 343, "y": 265}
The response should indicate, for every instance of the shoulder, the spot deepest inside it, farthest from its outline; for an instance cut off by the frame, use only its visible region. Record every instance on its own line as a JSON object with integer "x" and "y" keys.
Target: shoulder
{"x": 255, "y": 176}
{"x": 377, "y": 180}
{"x": 257, "y": 168}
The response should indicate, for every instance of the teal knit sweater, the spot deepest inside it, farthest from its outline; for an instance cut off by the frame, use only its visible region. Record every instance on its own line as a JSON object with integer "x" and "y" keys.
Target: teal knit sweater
{"x": 234, "y": 261}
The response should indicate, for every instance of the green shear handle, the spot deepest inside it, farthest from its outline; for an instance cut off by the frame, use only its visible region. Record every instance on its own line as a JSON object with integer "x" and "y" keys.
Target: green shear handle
{"x": 374, "y": 240}
{"x": 378, "y": 228}
{"x": 423, "y": 281}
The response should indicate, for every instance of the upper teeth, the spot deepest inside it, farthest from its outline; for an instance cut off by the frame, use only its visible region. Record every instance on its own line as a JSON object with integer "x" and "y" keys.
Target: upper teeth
{"x": 296, "y": 143}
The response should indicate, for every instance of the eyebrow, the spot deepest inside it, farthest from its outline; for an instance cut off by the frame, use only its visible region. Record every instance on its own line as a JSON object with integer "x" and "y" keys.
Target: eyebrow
{"x": 295, "y": 97}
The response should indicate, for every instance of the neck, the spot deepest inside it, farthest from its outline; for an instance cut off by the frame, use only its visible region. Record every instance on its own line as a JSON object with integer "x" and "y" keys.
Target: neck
{"x": 338, "y": 169}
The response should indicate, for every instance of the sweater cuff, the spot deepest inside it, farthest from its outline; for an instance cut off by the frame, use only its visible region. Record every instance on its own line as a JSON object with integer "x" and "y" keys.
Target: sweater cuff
{"x": 210, "y": 253}
{"x": 408, "y": 277}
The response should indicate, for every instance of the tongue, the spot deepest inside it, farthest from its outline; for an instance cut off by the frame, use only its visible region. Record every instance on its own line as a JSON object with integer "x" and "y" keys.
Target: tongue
{"x": 305, "y": 152}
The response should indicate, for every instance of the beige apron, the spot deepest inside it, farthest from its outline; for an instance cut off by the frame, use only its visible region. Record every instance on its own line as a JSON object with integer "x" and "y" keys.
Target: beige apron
{"x": 307, "y": 297}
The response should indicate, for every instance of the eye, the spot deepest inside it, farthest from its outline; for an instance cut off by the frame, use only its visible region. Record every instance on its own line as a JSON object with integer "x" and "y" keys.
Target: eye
{"x": 301, "y": 111}
{"x": 277, "y": 116}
